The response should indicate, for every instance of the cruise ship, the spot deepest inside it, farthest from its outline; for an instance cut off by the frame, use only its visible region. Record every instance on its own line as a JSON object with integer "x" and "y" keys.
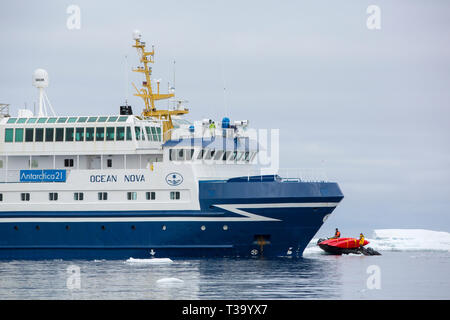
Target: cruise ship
{"x": 119, "y": 185}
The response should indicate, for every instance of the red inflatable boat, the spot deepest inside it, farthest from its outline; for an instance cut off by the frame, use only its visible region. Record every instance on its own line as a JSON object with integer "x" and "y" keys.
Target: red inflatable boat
{"x": 340, "y": 245}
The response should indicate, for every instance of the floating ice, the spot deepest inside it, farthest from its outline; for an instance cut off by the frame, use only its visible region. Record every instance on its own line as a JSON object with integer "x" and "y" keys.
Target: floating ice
{"x": 410, "y": 239}
{"x": 149, "y": 261}
{"x": 169, "y": 281}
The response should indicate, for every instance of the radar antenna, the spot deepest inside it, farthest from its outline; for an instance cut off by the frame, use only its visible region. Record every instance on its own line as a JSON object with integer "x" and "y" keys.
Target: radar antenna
{"x": 40, "y": 81}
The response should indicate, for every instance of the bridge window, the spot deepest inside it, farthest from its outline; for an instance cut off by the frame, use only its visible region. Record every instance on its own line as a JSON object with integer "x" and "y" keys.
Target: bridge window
{"x": 39, "y": 135}
{"x": 62, "y": 120}
{"x": 90, "y": 134}
{"x": 120, "y": 133}
{"x": 82, "y": 119}
{"x": 92, "y": 119}
{"x": 201, "y": 154}
{"x": 51, "y": 120}
{"x": 112, "y": 119}
{"x": 22, "y": 120}
{"x": 137, "y": 131}
{"x": 218, "y": 155}
{"x": 59, "y": 134}
{"x": 32, "y": 120}
{"x": 79, "y": 136}
{"x": 100, "y": 134}
{"x": 72, "y": 120}
{"x": 9, "y": 134}
{"x": 49, "y": 134}
{"x": 42, "y": 120}
{"x": 12, "y": 120}
{"x": 69, "y": 134}
{"x": 129, "y": 136}
{"x": 148, "y": 130}
{"x": 29, "y": 135}
{"x": 102, "y": 119}
{"x": 110, "y": 133}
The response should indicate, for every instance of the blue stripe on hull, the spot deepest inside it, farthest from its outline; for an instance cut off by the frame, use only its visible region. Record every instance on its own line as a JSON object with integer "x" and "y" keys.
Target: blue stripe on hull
{"x": 292, "y": 231}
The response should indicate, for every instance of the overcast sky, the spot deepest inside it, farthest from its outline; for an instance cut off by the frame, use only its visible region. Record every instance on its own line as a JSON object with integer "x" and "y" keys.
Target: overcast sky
{"x": 370, "y": 106}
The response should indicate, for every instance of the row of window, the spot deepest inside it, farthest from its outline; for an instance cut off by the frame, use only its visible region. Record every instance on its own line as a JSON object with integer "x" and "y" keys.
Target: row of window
{"x": 210, "y": 154}
{"x": 68, "y": 119}
{"x": 81, "y": 134}
{"x": 79, "y": 196}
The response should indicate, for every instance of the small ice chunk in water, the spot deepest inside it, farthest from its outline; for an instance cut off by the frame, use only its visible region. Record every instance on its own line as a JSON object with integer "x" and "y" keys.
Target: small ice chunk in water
{"x": 169, "y": 281}
{"x": 149, "y": 261}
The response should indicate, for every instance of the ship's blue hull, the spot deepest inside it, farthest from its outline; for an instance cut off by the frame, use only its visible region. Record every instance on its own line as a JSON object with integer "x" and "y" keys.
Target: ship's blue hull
{"x": 236, "y": 219}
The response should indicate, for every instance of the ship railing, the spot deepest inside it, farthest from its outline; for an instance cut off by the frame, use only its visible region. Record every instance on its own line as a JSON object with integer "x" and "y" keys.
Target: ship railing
{"x": 289, "y": 175}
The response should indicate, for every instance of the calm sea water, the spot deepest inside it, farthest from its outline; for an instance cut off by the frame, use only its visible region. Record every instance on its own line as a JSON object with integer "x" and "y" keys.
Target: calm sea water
{"x": 394, "y": 275}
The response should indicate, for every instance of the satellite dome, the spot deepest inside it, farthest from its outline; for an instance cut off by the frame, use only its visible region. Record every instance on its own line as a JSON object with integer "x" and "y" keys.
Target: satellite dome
{"x": 137, "y": 35}
{"x": 40, "y": 78}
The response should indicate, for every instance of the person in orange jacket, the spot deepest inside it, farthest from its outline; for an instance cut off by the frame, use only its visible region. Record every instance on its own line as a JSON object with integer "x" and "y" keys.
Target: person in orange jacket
{"x": 361, "y": 239}
{"x": 337, "y": 234}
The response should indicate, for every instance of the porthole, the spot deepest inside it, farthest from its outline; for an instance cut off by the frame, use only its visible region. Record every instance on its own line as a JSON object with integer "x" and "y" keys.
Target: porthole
{"x": 67, "y": 227}
{"x": 38, "y": 228}
{"x": 133, "y": 227}
{"x": 103, "y": 228}
{"x": 164, "y": 228}
{"x": 225, "y": 227}
{"x": 203, "y": 228}
{"x": 16, "y": 228}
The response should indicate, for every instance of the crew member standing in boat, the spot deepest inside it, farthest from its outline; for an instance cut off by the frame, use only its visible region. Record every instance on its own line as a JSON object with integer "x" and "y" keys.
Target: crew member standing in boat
{"x": 361, "y": 239}
{"x": 337, "y": 234}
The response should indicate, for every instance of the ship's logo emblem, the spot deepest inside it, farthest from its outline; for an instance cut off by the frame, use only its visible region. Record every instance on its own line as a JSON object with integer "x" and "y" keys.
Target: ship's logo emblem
{"x": 174, "y": 179}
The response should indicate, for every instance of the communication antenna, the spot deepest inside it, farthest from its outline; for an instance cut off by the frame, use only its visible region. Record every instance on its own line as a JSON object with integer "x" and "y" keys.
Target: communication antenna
{"x": 40, "y": 81}
{"x": 126, "y": 80}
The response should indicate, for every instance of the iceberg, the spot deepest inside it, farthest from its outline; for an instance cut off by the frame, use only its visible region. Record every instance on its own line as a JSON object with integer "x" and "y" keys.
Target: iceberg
{"x": 410, "y": 239}
{"x": 149, "y": 261}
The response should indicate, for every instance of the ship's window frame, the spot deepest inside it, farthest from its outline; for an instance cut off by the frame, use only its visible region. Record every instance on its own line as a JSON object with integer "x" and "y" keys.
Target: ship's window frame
{"x": 102, "y": 119}
{"x": 129, "y": 135}
{"x": 138, "y": 132}
{"x": 25, "y": 196}
{"x": 9, "y": 134}
{"x": 12, "y": 120}
{"x": 39, "y": 134}
{"x": 61, "y": 120}
{"x": 21, "y": 120}
{"x": 78, "y": 196}
{"x": 79, "y": 134}
{"x": 120, "y": 133}
{"x": 100, "y": 133}
{"x": 112, "y": 119}
{"x": 53, "y": 196}
{"x": 148, "y": 132}
{"x": 109, "y": 163}
{"x": 31, "y": 120}
{"x": 68, "y": 163}
{"x": 47, "y": 136}
{"x": 131, "y": 195}
{"x": 1, "y": 196}
{"x": 18, "y": 134}
{"x": 102, "y": 196}
{"x": 90, "y": 133}
{"x": 29, "y": 134}
{"x": 69, "y": 134}
{"x": 59, "y": 134}
{"x": 52, "y": 120}
{"x": 175, "y": 195}
{"x": 150, "y": 195}
{"x": 92, "y": 119}
{"x": 72, "y": 120}
{"x": 180, "y": 154}
{"x": 33, "y": 163}
{"x": 82, "y": 119}
{"x": 110, "y": 133}
{"x": 122, "y": 119}
{"x": 42, "y": 120}
{"x": 189, "y": 153}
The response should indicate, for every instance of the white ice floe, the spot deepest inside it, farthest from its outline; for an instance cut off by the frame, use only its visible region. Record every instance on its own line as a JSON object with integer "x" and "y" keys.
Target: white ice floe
{"x": 399, "y": 240}
{"x": 410, "y": 239}
{"x": 169, "y": 281}
{"x": 149, "y": 261}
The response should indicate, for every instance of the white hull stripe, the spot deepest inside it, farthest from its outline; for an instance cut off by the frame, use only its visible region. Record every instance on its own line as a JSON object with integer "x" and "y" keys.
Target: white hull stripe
{"x": 245, "y": 216}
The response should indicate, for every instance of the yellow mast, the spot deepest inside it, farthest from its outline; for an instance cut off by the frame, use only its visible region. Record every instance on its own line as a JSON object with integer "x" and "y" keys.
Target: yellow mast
{"x": 146, "y": 92}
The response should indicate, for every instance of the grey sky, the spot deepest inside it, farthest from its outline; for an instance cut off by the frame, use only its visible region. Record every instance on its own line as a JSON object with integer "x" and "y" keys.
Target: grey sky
{"x": 371, "y": 106}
